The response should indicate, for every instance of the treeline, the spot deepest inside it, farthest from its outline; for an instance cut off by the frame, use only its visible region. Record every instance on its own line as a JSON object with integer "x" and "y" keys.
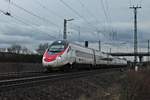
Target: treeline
{"x": 18, "y": 49}
{"x": 20, "y": 58}
{"x": 18, "y": 53}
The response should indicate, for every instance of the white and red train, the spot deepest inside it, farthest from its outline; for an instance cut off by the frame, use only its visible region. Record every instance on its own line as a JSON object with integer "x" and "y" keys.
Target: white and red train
{"x": 63, "y": 54}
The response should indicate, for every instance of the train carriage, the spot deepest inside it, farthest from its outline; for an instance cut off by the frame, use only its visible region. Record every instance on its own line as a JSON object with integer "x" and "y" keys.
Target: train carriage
{"x": 63, "y": 53}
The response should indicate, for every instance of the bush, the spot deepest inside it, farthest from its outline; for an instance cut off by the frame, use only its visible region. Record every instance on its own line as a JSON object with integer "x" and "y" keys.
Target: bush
{"x": 12, "y": 57}
{"x": 138, "y": 87}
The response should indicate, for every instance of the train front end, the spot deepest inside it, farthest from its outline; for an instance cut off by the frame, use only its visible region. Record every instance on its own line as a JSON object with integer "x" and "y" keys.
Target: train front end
{"x": 55, "y": 56}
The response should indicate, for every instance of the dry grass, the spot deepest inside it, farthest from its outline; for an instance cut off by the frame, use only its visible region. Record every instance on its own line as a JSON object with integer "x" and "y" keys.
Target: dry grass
{"x": 138, "y": 87}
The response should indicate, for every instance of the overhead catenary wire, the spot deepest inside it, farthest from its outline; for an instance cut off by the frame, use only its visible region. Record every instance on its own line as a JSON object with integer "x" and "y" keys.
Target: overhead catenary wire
{"x": 47, "y": 9}
{"x": 91, "y": 14}
{"x": 8, "y": 6}
{"x": 23, "y": 22}
{"x": 87, "y": 10}
{"x": 27, "y": 21}
{"x": 33, "y": 14}
{"x": 19, "y": 20}
{"x": 135, "y": 2}
{"x": 9, "y": 14}
{"x": 104, "y": 11}
{"x": 2, "y": 11}
{"x": 108, "y": 10}
{"x": 105, "y": 8}
{"x": 76, "y": 12}
{"x": 107, "y": 5}
{"x": 130, "y": 2}
{"x": 140, "y": 2}
{"x": 68, "y": 6}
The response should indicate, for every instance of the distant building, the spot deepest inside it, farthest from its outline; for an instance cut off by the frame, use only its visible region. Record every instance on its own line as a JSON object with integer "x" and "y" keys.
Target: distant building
{"x": 21, "y": 51}
{"x": 3, "y": 49}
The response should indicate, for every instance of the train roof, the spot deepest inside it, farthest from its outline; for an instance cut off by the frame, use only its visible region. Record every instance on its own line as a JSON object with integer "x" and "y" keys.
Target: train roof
{"x": 66, "y": 42}
{"x": 60, "y": 42}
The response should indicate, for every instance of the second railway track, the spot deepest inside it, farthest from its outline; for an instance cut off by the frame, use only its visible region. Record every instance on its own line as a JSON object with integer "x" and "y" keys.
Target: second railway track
{"x": 10, "y": 84}
{"x": 12, "y": 75}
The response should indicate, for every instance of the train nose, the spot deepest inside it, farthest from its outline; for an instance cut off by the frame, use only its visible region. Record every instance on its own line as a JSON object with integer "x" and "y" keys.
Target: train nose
{"x": 49, "y": 59}
{"x": 47, "y": 62}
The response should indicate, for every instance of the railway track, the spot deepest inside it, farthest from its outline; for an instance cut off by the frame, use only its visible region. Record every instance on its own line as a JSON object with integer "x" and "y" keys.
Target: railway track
{"x": 10, "y": 84}
{"x": 12, "y": 75}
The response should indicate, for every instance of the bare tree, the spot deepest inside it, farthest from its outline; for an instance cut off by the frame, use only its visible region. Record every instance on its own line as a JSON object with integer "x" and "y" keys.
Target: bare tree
{"x": 41, "y": 48}
{"x": 25, "y": 50}
{"x": 15, "y": 48}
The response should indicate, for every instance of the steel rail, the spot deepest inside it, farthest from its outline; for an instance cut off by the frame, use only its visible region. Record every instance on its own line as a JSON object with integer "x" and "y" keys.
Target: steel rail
{"x": 11, "y": 75}
{"x": 19, "y": 73}
{"x": 33, "y": 81}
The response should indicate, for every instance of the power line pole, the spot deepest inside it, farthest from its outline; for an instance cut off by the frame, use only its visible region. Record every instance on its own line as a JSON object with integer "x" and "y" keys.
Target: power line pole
{"x": 99, "y": 45}
{"x": 110, "y": 50}
{"x": 65, "y": 28}
{"x": 135, "y": 33}
{"x": 148, "y": 51}
{"x": 79, "y": 32}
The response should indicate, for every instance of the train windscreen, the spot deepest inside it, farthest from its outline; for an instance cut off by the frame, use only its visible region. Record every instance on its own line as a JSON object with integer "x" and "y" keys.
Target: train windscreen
{"x": 57, "y": 47}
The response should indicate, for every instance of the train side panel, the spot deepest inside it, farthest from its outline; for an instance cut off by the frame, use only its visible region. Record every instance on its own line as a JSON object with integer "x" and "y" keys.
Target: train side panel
{"x": 73, "y": 54}
{"x": 82, "y": 55}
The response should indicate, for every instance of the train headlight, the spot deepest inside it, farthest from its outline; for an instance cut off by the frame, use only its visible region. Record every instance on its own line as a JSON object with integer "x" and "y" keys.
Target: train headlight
{"x": 44, "y": 58}
{"x": 58, "y": 57}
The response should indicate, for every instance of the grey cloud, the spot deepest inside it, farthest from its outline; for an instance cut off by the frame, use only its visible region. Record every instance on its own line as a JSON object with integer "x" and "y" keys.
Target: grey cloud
{"x": 91, "y": 29}
{"x": 14, "y": 39}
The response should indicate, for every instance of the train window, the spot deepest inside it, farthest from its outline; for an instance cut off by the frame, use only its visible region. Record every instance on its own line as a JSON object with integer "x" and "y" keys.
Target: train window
{"x": 107, "y": 59}
{"x": 57, "y": 46}
{"x": 83, "y": 54}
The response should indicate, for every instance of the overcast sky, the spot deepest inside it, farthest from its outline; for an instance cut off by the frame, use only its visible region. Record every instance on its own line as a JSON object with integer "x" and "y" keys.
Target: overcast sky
{"x": 41, "y": 21}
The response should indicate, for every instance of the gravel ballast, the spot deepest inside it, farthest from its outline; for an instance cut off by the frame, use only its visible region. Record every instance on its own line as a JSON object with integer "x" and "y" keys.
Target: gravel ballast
{"x": 106, "y": 86}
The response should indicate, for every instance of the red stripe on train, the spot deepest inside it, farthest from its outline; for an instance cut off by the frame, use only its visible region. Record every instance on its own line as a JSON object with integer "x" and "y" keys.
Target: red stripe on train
{"x": 51, "y": 57}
